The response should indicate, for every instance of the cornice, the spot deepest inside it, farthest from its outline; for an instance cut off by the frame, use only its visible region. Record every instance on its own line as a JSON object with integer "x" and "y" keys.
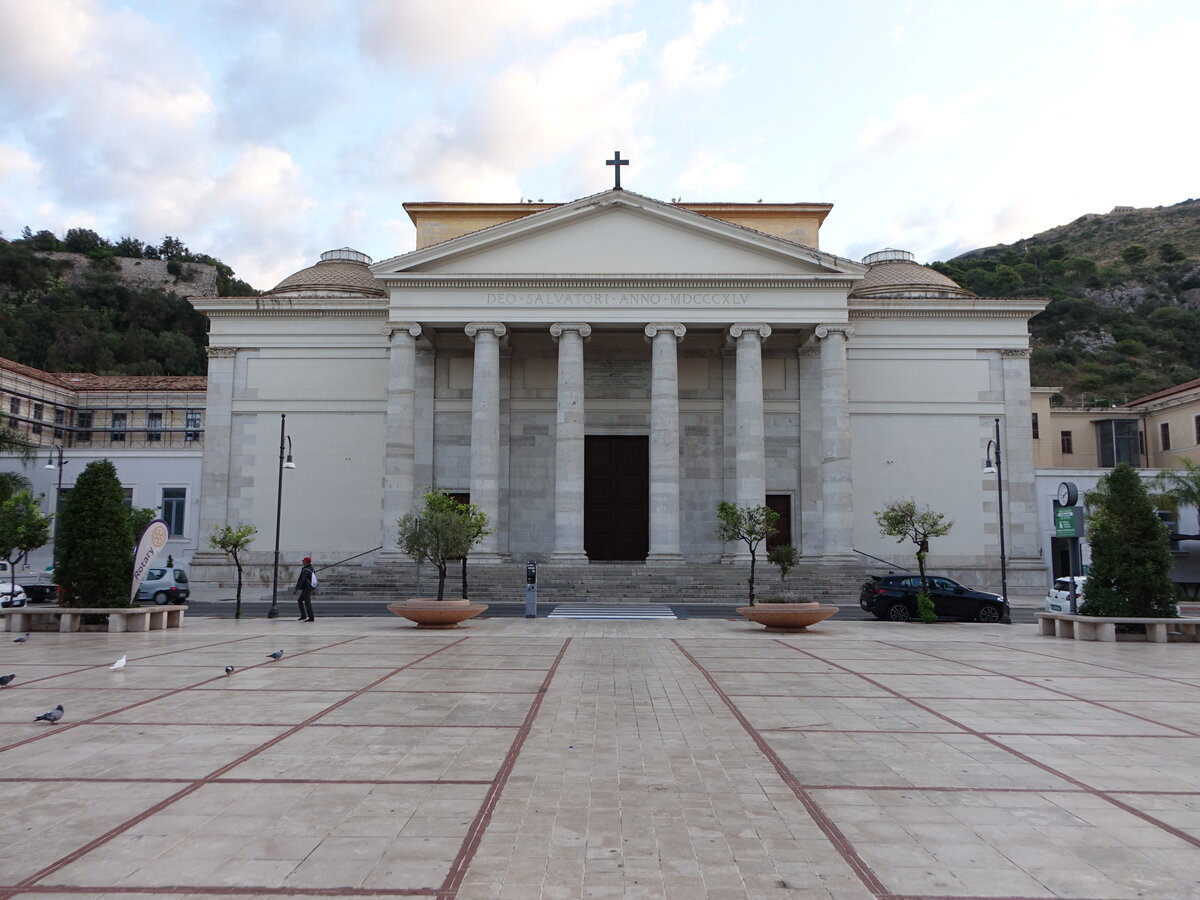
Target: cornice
{"x": 949, "y": 308}
{"x": 251, "y": 313}
{"x": 621, "y": 282}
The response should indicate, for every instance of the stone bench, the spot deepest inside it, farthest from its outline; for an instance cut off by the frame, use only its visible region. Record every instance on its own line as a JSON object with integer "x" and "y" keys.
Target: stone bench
{"x": 134, "y": 618}
{"x": 1104, "y": 628}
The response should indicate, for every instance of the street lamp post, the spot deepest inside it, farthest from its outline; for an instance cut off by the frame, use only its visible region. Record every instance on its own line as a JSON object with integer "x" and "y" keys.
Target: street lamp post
{"x": 994, "y": 445}
{"x": 287, "y": 463}
{"x": 52, "y": 464}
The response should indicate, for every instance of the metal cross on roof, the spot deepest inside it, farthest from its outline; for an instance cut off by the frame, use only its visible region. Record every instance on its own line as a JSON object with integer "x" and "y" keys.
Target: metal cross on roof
{"x": 616, "y": 163}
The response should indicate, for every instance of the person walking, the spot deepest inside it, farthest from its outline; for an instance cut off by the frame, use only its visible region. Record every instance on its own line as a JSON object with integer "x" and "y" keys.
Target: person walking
{"x": 306, "y": 586}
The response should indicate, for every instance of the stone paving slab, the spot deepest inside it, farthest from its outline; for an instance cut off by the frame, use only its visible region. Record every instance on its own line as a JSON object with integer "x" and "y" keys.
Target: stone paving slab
{"x": 576, "y": 758}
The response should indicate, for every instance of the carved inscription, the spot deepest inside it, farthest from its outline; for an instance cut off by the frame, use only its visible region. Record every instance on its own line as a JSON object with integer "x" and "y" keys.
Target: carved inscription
{"x": 617, "y": 377}
{"x": 618, "y": 298}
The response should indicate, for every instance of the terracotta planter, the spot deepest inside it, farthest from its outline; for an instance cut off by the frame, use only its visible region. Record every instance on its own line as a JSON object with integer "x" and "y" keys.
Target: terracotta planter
{"x": 787, "y": 616}
{"x": 428, "y": 612}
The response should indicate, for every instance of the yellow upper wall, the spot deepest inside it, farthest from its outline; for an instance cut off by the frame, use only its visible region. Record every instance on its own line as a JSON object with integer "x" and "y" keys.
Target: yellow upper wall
{"x": 797, "y": 222}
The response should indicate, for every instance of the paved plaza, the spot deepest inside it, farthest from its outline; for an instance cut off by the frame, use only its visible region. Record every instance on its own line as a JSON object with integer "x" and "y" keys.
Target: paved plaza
{"x": 565, "y": 759}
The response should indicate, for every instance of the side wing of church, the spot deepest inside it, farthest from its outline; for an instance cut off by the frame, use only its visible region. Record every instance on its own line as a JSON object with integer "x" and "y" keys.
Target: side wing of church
{"x": 598, "y": 375}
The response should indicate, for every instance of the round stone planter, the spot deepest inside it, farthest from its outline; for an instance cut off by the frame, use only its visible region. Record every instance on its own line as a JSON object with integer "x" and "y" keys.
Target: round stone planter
{"x": 787, "y": 616}
{"x": 428, "y": 612}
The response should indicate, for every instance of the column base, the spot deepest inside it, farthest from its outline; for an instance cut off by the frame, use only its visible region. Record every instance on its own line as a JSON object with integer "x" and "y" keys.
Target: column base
{"x": 570, "y": 557}
{"x": 655, "y": 558}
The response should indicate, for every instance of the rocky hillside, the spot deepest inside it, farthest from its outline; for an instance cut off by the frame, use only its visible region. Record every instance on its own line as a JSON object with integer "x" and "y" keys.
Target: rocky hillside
{"x": 1124, "y": 288}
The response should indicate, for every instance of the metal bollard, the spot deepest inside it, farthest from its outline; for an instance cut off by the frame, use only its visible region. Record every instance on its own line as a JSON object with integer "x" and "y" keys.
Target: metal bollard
{"x": 531, "y": 590}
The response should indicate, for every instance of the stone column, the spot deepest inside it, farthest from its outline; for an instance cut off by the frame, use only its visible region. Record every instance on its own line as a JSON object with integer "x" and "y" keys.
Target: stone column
{"x": 837, "y": 484}
{"x": 568, "y": 442}
{"x": 751, "y": 465}
{"x": 399, "y": 488}
{"x": 485, "y": 429}
{"x": 664, "y": 442}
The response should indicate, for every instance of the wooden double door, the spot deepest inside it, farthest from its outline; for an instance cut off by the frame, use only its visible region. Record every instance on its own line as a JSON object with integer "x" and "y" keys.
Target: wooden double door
{"x": 616, "y": 497}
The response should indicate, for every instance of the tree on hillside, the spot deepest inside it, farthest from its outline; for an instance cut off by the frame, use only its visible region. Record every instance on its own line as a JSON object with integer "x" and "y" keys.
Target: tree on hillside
{"x": 1170, "y": 253}
{"x": 1130, "y": 573}
{"x": 93, "y": 550}
{"x": 1135, "y": 254}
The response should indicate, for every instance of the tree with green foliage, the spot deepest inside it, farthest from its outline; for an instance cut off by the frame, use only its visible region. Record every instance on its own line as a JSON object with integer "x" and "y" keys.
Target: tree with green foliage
{"x": 472, "y": 514}
{"x": 140, "y": 518}
{"x": 784, "y": 556}
{"x": 749, "y": 524}
{"x": 12, "y": 483}
{"x": 1135, "y": 254}
{"x": 437, "y": 533}
{"x": 1170, "y": 253}
{"x": 23, "y": 528}
{"x": 903, "y": 519}
{"x": 93, "y": 549}
{"x": 1181, "y": 486}
{"x": 1130, "y": 573}
{"x": 234, "y": 539}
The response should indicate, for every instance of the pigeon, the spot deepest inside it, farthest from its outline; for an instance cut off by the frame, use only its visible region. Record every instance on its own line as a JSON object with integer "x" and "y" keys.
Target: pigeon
{"x": 229, "y": 670}
{"x": 6, "y": 680}
{"x": 278, "y": 654}
{"x": 53, "y": 716}
{"x": 22, "y": 639}
{"x": 120, "y": 663}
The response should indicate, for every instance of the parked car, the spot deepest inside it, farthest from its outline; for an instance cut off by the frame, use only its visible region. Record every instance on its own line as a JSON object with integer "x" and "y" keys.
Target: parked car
{"x": 164, "y": 585}
{"x": 39, "y": 587}
{"x": 894, "y": 597}
{"x": 1058, "y": 597}
{"x": 10, "y": 597}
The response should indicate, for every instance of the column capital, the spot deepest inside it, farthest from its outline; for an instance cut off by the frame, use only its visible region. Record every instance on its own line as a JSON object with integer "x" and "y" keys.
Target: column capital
{"x": 583, "y": 329}
{"x": 219, "y": 352}
{"x": 391, "y": 329}
{"x": 823, "y": 331}
{"x": 496, "y": 328}
{"x": 675, "y": 328}
{"x": 739, "y": 329}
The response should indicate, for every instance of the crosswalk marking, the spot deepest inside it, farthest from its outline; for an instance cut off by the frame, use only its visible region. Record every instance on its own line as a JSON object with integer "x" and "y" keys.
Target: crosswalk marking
{"x": 612, "y": 611}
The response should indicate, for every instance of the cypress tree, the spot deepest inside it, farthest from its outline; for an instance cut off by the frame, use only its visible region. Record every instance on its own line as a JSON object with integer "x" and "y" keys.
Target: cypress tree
{"x": 93, "y": 551}
{"x": 1131, "y": 566}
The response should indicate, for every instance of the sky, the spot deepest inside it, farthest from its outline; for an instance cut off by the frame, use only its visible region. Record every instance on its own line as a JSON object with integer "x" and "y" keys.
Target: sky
{"x": 264, "y": 132}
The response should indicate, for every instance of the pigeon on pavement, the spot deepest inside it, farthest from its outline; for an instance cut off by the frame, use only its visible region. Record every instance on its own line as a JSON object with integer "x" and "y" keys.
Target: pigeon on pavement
{"x": 22, "y": 639}
{"x": 120, "y": 663}
{"x": 53, "y": 716}
{"x": 278, "y": 654}
{"x": 6, "y": 680}
{"x": 229, "y": 670}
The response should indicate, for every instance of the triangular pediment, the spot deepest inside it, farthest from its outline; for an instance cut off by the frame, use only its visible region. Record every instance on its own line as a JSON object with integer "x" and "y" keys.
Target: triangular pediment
{"x": 617, "y": 233}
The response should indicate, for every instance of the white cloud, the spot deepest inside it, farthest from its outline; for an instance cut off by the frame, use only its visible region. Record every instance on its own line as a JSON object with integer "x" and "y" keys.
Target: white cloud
{"x": 17, "y": 164}
{"x": 917, "y": 120}
{"x": 681, "y": 60}
{"x": 709, "y": 176}
{"x": 417, "y": 33}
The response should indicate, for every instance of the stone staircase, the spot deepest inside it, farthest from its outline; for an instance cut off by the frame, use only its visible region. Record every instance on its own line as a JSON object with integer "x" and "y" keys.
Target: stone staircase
{"x": 599, "y": 582}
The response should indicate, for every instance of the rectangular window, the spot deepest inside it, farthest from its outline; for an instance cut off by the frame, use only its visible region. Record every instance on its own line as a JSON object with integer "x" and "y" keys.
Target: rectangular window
{"x": 37, "y": 414}
{"x": 83, "y": 426}
{"x": 14, "y": 407}
{"x": 1117, "y": 441}
{"x": 1035, "y": 427}
{"x": 191, "y": 421}
{"x": 154, "y": 426}
{"x": 174, "y": 504}
{"x": 1164, "y": 435}
{"x": 60, "y": 419}
{"x": 118, "y": 428}
{"x": 1064, "y": 438}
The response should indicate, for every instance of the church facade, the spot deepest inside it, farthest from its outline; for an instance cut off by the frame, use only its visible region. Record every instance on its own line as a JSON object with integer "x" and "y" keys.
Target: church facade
{"x": 598, "y": 375}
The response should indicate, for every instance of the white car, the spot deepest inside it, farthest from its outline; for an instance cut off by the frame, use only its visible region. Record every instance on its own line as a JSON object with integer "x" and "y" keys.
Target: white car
{"x": 9, "y": 597}
{"x": 1058, "y": 599}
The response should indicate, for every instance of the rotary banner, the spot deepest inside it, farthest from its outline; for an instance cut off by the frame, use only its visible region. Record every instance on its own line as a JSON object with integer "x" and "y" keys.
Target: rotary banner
{"x": 149, "y": 545}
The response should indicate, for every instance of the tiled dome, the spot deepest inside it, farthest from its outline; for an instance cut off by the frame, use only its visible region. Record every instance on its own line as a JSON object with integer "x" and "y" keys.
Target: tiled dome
{"x": 341, "y": 271}
{"x": 895, "y": 273}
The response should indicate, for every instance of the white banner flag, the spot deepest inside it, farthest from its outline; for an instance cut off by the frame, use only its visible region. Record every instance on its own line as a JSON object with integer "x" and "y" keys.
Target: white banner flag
{"x": 149, "y": 545}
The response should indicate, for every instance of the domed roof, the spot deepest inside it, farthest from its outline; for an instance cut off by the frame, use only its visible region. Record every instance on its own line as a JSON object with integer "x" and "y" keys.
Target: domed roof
{"x": 895, "y": 273}
{"x": 341, "y": 271}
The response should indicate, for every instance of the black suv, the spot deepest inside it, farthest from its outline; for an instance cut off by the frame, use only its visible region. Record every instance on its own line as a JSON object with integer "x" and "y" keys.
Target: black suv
{"x": 895, "y": 597}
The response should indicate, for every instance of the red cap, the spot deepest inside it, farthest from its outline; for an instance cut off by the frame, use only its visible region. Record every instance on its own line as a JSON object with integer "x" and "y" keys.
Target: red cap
{"x": 308, "y": 559}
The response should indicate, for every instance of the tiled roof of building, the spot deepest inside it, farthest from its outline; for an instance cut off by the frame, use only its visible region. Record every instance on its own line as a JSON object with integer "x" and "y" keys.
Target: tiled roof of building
{"x": 29, "y": 372}
{"x": 1166, "y": 392}
{"x": 340, "y": 275}
{"x": 897, "y": 277}
{"x": 86, "y": 381}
